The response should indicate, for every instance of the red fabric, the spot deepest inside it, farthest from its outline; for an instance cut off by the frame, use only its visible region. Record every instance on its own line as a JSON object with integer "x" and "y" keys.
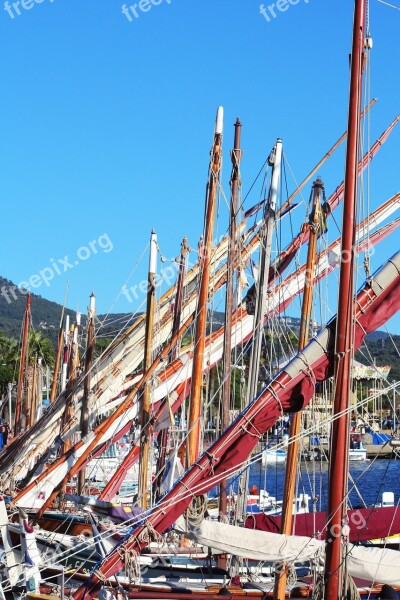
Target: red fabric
{"x": 365, "y": 523}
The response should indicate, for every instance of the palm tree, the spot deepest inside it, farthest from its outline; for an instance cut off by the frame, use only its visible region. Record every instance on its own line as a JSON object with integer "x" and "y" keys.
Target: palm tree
{"x": 40, "y": 346}
{"x": 8, "y": 361}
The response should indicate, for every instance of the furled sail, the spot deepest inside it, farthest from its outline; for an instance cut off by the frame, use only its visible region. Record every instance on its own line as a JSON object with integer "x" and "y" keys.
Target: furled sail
{"x": 256, "y": 545}
{"x": 371, "y": 564}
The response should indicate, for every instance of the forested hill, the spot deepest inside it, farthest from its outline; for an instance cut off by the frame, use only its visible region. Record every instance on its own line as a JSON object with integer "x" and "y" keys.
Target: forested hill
{"x": 46, "y": 319}
{"x": 45, "y": 314}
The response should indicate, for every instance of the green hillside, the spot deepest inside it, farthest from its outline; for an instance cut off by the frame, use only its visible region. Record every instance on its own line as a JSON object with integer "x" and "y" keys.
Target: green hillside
{"x": 46, "y": 319}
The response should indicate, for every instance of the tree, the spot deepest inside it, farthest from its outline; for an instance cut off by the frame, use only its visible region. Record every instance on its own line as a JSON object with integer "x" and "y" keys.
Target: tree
{"x": 10, "y": 355}
{"x": 40, "y": 346}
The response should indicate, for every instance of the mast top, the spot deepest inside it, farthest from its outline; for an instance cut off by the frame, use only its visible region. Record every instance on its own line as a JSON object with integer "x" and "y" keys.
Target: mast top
{"x": 318, "y": 183}
{"x": 219, "y": 123}
{"x": 153, "y": 252}
{"x": 92, "y": 302}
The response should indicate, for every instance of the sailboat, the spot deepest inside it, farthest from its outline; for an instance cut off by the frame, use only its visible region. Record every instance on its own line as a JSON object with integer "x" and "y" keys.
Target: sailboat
{"x": 118, "y": 558}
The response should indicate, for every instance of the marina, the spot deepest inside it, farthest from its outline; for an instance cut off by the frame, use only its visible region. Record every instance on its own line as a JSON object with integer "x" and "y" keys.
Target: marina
{"x": 237, "y": 432}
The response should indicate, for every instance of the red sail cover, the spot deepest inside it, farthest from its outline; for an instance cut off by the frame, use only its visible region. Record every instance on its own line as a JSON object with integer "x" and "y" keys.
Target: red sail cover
{"x": 291, "y": 390}
{"x": 365, "y": 523}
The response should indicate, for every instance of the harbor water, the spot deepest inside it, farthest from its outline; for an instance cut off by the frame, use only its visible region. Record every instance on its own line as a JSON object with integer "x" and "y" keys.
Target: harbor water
{"x": 368, "y": 480}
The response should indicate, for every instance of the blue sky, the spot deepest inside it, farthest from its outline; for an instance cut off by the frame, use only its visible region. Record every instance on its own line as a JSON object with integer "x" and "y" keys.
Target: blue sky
{"x": 106, "y": 124}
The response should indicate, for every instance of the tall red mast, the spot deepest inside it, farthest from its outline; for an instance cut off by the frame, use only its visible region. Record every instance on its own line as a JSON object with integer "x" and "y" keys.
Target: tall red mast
{"x": 22, "y": 365}
{"x": 338, "y": 477}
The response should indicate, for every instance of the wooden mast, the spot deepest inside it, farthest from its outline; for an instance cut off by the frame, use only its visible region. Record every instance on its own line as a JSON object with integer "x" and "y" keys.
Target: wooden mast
{"x": 205, "y": 268}
{"x": 57, "y": 363}
{"x": 28, "y": 393}
{"x": 86, "y": 383}
{"x": 22, "y": 366}
{"x": 163, "y": 437}
{"x": 179, "y": 297}
{"x": 59, "y": 351}
{"x": 266, "y": 232}
{"x": 33, "y": 403}
{"x": 64, "y": 368}
{"x": 338, "y": 476}
{"x": 71, "y": 375}
{"x": 293, "y": 448}
{"x": 145, "y": 405}
{"x": 236, "y": 156}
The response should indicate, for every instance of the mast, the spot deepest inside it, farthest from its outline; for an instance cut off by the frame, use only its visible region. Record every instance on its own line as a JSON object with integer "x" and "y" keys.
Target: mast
{"x": 266, "y": 232}
{"x": 28, "y": 393}
{"x": 338, "y": 476}
{"x": 86, "y": 383}
{"x": 163, "y": 437}
{"x": 236, "y": 156}
{"x": 33, "y": 402}
{"x": 205, "y": 268}
{"x": 57, "y": 363}
{"x": 70, "y": 354}
{"x": 22, "y": 366}
{"x": 293, "y": 448}
{"x": 179, "y": 297}
{"x": 64, "y": 371}
{"x": 265, "y": 258}
{"x": 59, "y": 351}
{"x": 145, "y": 404}
{"x": 9, "y": 394}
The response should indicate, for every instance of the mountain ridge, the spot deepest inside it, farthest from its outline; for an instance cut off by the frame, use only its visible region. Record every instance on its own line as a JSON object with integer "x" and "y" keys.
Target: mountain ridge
{"x": 46, "y": 316}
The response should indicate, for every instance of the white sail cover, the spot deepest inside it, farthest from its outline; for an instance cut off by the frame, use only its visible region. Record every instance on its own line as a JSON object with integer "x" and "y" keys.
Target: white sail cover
{"x": 372, "y": 564}
{"x": 256, "y": 545}
{"x": 375, "y": 564}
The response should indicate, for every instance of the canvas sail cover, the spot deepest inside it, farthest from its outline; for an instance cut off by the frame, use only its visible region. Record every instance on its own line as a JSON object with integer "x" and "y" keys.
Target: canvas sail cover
{"x": 375, "y": 564}
{"x": 256, "y": 545}
{"x": 372, "y": 564}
